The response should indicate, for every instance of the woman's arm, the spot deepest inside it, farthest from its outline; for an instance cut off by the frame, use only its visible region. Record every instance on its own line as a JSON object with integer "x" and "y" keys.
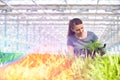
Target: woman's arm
{"x": 70, "y": 50}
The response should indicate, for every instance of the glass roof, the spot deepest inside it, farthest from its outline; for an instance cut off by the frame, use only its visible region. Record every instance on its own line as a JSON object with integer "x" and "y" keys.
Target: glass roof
{"x": 12, "y": 2}
{"x": 25, "y": 19}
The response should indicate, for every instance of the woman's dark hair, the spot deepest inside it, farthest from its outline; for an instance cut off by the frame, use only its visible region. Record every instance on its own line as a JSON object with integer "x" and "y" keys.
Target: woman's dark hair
{"x": 72, "y": 23}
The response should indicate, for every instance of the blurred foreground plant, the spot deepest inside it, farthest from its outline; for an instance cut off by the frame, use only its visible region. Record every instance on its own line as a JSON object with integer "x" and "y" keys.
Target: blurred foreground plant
{"x": 61, "y": 67}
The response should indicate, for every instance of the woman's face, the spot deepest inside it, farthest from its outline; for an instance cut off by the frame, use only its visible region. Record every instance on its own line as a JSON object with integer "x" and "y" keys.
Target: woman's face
{"x": 78, "y": 29}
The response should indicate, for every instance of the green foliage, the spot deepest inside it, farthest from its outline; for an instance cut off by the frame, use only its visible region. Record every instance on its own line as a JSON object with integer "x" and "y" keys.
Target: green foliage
{"x": 80, "y": 68}
{"x": 8, "y": 57}
{"x": 99, "y": 68}
{"x": 94, "y": 46}
{"x": 105, "y": 68}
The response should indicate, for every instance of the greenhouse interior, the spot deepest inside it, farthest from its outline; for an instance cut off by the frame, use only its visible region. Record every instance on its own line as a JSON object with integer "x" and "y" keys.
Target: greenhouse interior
{"x": 33, "y": 35}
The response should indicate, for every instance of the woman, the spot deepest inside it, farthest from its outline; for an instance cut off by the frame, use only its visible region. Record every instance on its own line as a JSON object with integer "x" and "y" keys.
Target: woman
{"x": 78, "y": 38}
